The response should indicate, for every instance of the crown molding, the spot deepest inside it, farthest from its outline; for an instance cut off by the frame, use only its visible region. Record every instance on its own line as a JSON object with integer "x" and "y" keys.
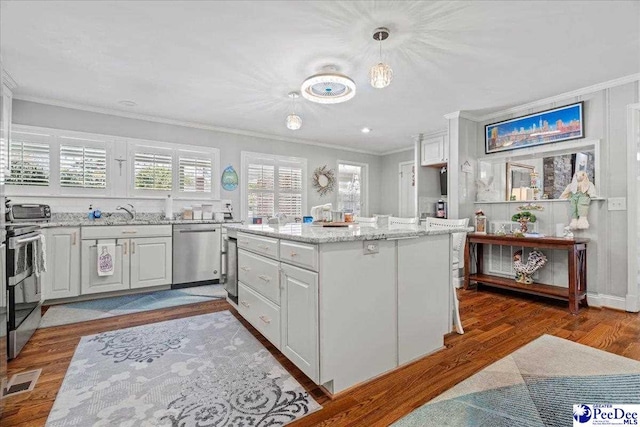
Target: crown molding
{"x": 561, "y": 97}
{"x": 399, "y": 150}
{"x": 8, "y": 80}
{"x": 188, "y": 124}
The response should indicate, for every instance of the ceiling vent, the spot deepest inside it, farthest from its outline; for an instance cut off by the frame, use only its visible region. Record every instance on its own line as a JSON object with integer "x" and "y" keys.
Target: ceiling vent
{"x": 328, "y": 87}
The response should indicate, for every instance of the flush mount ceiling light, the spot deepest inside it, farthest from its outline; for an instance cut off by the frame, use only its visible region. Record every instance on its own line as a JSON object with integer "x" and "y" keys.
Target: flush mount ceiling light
{"x": 294, "y": 122}
{"x": 328, "y": 87}
{"x": 380, "y": 74}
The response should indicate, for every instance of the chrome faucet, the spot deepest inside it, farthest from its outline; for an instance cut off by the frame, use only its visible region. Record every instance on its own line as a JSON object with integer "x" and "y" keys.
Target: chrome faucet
{"x": 131, "y": 211}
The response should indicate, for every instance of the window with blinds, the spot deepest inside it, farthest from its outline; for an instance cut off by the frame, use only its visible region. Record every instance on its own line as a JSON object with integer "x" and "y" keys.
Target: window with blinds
{"x": 29, "y": 162}
{"x": 83, "y": 167}
{"x": 152, "y": 171}
{"x": 194, "y": 174}
{"x": 274, "y": 186}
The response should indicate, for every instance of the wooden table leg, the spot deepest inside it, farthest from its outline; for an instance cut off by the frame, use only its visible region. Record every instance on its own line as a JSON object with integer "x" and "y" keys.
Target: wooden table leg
{"x": 583, "y": 275}
{"x": 573, "y": 281}
{"x": 479, "y": 258}
{"x": 467, "y": 264}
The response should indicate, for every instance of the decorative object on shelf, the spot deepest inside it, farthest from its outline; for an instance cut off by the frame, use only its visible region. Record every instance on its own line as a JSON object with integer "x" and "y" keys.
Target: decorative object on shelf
{"x": 530, "y": 207}
{"x": 294, "y": 122}
{"x": 328, "y": 87}
{"x": 324, "y": 180}
{"x": 485, "y": 191}
{"x": 524, "y": 218}
{"x": 579, "y": 193}
{"x": 568, "y": 233}
{"x": 535, "y": 185}
{"x": 229, "y": 179}
{"x": 524, "y": 272}
{"x": 501, "y": 231}
{"x": 518, "y": 179}
{"x": 480, "y": 222}
{"x": 381, "y": 74}
{"x": 555, "y": 125}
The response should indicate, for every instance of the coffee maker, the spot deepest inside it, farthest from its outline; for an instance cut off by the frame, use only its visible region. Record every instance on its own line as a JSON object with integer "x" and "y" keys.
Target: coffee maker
{"x": 228, "y": 212}
{"x": 441, "y": 209}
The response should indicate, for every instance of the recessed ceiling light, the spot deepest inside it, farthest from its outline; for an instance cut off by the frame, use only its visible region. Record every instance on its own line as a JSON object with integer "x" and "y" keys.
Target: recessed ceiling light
{"x": 127, "y": 103}
{"x": 365, "y": 130}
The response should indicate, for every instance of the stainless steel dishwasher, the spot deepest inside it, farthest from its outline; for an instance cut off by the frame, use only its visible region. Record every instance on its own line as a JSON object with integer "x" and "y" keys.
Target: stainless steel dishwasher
{"x": 196, "y": 254}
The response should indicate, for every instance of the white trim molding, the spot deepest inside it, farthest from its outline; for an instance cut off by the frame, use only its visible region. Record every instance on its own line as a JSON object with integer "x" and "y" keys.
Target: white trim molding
{"x": 633, "y": 144}
{"x": 608, "y": 301}
{"x": 8, "y": 81}
{"x": 183, "y": 123}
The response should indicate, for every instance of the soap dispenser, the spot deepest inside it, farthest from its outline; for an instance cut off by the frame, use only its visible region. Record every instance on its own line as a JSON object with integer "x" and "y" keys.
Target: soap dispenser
{"x": 90, "y": 213}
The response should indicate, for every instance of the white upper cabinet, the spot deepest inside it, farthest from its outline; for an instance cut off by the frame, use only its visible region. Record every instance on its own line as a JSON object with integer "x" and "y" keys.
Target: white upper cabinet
{"x": 434, "y": 151}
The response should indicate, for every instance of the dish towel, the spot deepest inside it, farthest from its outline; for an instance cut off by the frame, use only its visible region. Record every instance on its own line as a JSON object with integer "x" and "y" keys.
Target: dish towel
{"x": 106, "y": 254}
{"x": 39, "y": 256}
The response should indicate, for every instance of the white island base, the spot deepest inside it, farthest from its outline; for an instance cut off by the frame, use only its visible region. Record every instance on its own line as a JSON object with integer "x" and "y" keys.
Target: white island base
{"x": 346, "y": 311}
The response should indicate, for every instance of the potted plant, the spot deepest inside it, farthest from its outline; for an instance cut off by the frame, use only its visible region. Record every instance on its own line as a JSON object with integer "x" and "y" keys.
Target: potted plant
{"x": 524, "y": 218}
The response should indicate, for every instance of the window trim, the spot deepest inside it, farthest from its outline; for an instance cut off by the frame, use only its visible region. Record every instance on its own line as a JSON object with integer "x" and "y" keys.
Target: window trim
{"x": 246, "y": 156}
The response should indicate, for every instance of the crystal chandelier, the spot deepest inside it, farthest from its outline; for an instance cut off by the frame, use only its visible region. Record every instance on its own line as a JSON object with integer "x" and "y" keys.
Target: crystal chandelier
{"x": 294, "y": 121}
{"x": 380, "y": 74}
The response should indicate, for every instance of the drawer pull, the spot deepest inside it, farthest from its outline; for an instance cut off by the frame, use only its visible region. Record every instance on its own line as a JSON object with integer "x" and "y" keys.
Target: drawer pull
{"x": 129, "y": 232}
{"x": 265, "y": 319}
{"x": 245, "y": 268}
{"x": 264, "y": 277}
{"x": 294, "y": 254}
{"x": 244, "y": 242}
{"x": 264, "y": 247}
{"x": 246, "y": 304}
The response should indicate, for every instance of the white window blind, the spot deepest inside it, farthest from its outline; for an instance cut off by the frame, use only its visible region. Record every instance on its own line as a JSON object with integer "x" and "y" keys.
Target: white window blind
{"x": 194, "y": 174}
{"x": 152, "y": 171}
{"x": 83, "y": 167}
{"x": 274, "y": 185}
{"x": 29, "y": 161}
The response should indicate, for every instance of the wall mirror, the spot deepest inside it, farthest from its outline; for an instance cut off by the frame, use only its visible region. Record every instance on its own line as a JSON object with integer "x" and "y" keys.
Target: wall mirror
{"x": 541, "y": 175}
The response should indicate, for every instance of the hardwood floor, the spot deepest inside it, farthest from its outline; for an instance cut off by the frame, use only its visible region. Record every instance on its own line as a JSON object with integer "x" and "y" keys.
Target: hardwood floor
{"x": 496, "y": 323}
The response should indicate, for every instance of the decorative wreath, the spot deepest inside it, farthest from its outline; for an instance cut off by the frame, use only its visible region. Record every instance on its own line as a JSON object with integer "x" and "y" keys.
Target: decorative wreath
{"x": 324, "y": 180}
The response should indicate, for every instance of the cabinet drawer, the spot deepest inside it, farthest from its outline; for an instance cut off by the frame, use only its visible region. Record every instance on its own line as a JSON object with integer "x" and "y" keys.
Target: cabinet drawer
{"x": 261, "y": 313}
{"x": 299, "y": 254}
{"x": 260, "y": 273}
{"x": 262, "y": 245}
{"x": 125, "y": 231}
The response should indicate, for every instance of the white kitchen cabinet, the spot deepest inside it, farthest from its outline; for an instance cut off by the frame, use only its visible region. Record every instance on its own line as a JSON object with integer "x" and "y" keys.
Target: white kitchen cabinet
{"x": 434, "y": 151}
{"x": 62, "y": 278}
{"x": 92, "y": 283}
{"x": 299, "y": 319}
{"x": 150, "y": 262}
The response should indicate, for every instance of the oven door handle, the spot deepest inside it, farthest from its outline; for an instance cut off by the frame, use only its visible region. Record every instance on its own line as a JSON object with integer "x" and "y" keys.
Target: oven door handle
{"x": 15, "y": 243}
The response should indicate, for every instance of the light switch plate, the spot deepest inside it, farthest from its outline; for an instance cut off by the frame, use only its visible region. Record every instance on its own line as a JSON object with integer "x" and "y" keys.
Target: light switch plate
{"x": 617, "y": 203}
{"x": 371, "y": 247}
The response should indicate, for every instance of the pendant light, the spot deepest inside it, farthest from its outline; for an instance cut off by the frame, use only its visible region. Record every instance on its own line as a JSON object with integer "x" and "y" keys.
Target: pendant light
{"x": 294, "y": 122}
{"x": 380, "y": 74}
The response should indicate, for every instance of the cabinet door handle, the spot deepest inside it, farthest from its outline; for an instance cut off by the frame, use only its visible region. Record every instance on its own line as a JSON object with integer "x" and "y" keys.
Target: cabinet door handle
{"x": 133, "y": 248}
{"x": 125, "y": 248}
{"x": 73, "y": 241}
{"x": 294, "y": 254}
{"x": 244, "y": 268}
{"x": 265, "y": 319}
{"x": 129, "y": 232}
{"x": 265, "y": 278}
{"x": 244, "y": 242}
{"x": 246, "y": 304}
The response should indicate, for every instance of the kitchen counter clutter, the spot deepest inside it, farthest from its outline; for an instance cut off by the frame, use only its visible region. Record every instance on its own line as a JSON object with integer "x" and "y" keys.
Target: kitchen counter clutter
{"x": 81, "y": 220}
{"x": 346, "y": 305}
{"x": 313, "y": 234}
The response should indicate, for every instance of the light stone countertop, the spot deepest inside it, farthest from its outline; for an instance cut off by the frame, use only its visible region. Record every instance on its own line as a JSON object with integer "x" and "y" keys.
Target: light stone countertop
{"x": 315, "y": 234}
{"x": 81, "y": 220}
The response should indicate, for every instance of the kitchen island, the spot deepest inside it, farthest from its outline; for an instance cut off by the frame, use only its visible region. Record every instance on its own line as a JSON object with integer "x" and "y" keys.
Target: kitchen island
{"x": 346, "y": 304}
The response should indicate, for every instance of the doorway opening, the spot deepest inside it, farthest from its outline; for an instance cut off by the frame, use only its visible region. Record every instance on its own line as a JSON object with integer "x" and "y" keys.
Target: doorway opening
{"x": 407, "y": 189}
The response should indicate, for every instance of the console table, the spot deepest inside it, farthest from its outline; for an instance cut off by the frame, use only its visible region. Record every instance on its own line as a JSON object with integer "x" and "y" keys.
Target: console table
{"x": 577, "y": 268}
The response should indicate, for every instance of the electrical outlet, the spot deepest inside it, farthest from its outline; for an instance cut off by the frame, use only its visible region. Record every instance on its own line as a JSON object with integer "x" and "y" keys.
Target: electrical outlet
{"x": 617, "y": 203}
{"x": 371, "y": 247}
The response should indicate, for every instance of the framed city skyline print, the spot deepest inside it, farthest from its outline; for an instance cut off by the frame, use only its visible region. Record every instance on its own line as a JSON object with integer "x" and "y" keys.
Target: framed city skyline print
{"x": 555, "y": 125}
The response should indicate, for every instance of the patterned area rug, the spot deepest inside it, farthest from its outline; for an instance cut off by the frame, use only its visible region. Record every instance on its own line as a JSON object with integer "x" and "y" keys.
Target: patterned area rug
{"x": 536, "y": 385}
{"x": 201, "y": 371}
{"x": 75, "y": 312}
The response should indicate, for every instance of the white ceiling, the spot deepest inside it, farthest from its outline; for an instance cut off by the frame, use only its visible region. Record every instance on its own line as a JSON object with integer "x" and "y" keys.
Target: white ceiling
{"x": 231, "y": 64}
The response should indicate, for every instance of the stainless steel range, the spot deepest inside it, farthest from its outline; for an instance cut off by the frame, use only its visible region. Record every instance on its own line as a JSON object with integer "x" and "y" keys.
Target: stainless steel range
{"x": 24, "y": 292}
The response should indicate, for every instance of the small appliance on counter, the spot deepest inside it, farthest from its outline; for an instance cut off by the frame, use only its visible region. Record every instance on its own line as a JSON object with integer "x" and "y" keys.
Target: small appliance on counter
{"x": 228, "y": 212}
{"x": 441, "y": 209}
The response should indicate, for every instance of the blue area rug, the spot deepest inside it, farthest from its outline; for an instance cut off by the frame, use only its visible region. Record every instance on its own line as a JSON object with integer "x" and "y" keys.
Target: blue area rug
{"x": 75, "y": 312}
{"x": 536, "y": 385}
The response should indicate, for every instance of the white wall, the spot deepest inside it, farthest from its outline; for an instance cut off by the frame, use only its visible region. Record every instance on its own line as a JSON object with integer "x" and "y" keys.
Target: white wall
{"x": 605, "y": 118}
{"x": 230, "y": 145}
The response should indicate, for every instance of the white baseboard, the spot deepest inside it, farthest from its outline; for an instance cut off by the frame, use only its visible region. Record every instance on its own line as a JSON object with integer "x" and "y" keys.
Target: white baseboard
{"x": 609, "y": 301}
